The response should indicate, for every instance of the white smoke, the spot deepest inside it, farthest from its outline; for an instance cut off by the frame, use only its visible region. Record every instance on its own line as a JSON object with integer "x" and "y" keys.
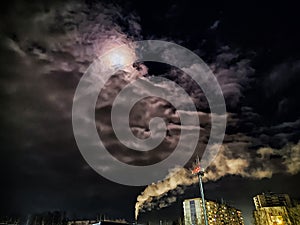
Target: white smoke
{"x": 177, "y": 176}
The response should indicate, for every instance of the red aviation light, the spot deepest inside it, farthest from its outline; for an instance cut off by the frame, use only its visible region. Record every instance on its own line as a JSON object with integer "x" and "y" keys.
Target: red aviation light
{"x": 196, "y": 170}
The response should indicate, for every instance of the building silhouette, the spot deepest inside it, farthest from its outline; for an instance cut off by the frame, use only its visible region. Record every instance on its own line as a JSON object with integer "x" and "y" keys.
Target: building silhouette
{"x": 217, "y": 213}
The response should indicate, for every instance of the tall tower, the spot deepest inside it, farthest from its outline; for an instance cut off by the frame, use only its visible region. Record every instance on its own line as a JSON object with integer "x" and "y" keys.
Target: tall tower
{"x": 199, "y": 172}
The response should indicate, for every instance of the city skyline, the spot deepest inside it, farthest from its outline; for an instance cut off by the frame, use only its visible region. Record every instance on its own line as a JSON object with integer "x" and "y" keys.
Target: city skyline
{"x": 248, "y": 52}
{"x": 269, "y": 207}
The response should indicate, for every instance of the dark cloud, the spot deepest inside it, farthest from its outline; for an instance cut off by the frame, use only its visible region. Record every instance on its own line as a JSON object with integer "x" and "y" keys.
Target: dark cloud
{"x": 45, "y": 49}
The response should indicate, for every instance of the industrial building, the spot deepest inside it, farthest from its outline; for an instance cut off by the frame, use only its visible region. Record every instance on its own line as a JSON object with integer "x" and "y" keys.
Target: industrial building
{"x": 217, "y": 213}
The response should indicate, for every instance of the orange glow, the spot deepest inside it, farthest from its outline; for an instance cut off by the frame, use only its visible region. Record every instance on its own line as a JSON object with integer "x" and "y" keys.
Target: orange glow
{"x": 196, "y": 170}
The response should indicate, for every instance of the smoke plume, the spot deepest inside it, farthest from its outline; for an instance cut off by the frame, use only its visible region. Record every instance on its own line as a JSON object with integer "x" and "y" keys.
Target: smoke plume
{"x": 177, "y": 176}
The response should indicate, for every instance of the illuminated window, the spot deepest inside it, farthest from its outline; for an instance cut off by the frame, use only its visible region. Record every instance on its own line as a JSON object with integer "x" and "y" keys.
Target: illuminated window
{"x": 277, "y": 220}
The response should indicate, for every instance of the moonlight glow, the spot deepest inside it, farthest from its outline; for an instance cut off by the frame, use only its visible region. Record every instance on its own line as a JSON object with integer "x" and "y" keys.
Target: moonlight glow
{"x": 119, "y": 57}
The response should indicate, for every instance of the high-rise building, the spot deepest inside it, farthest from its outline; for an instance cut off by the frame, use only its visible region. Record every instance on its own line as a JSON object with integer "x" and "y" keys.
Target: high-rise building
{"x": 275, "y": 215}
{"x": 217, "y": 213}
{"x": 275, "y": 209}
{"x": 271, "y": 199}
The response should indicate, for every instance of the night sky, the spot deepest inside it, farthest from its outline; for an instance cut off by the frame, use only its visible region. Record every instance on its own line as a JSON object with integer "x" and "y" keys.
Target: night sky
{"x": 46, "y": 46}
